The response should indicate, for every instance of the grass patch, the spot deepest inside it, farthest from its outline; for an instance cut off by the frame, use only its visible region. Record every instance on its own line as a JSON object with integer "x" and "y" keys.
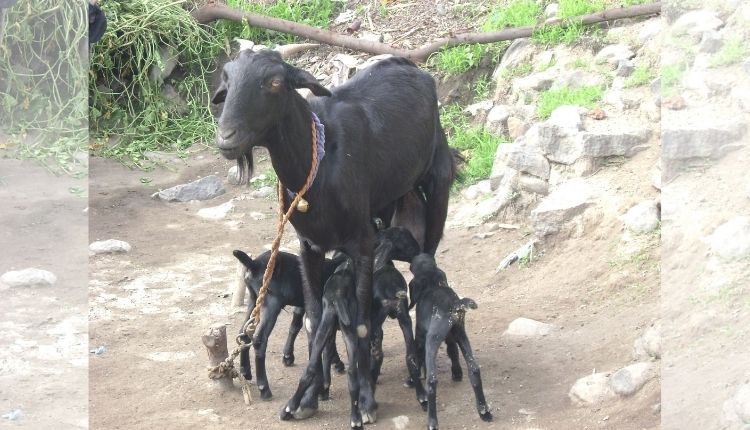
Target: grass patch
{"x": 642, "y": 75}
{"x": 520, "y": 70}
{"x": 458, "y": 59}
{"x": 549, "y": 35}
{"x": 520, "y": 13}
{"x": 671, "y": 76}
{"x": 733, "y": 51}
{"x": 475, "y": 144}
{"x": 579, "y": 63}
{"x": 571, "y": 8}
{"x": 482, "y": 87}
{"x": 43, "y": 78}
{"x": 552, "y": 99}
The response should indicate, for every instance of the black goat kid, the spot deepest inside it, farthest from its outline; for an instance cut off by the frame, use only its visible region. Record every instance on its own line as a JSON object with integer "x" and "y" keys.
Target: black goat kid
{"x": 339, "y": 309}
{"x": 381, "y": 136}
{"x": 285, "y": 289}
{"x": 440, "y": 317}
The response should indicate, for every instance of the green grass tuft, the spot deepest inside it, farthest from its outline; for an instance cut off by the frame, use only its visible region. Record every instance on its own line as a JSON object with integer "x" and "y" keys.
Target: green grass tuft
{"x": 552, "y": 99}
{"x": 642, "y": 75}
{"x": 458, "y": 59}
{"x": 571, "y": 8}
{"x": 520, "y": 13}
{"x": 671, "y": 75}
{"x": 733, "y": 51}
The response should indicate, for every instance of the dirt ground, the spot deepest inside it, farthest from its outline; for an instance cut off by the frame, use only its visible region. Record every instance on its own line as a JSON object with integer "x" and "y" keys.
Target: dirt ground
{"x": 43, "y": 331}
{"x": 150, "y": 306}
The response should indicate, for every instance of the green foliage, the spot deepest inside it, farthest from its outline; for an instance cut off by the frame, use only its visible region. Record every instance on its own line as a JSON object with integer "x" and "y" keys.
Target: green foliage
{"x": 126, "y": 102}
{"x": 475, "y": 144}
{"x": 519, "y": 13}
{"x": 43, "y": 99}
{"x": 552, "y": 99}
{"x": 571, "y": 8}
{"x": 554, "y": 34}
{"x": 315, "y": 13}
{"x": 671, "y": 75}
{"x": 520, "y": 70}
{"x": 482, "y": 87}
{"x": 642, "y": 75}
{"x": 458, "y": 59}
{"x": 731, "y": 52}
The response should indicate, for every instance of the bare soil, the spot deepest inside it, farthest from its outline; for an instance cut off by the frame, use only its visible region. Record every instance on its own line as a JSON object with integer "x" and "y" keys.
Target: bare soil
{"x": 149, "y": 308}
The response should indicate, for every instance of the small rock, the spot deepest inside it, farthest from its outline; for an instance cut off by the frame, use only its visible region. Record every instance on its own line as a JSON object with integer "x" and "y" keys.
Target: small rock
{"x": 217, "y": 212}
{"x": 649, "y": 344}
{"x": 523, "y": 158}
{"x": 597, "y": 114}
{"x": 562, "y": 205}
{"x": 233, "y": 175}
{"x": 609, "y": 143}
{"x": 675, "y": 102}
{"x": 203, "y": 189}
{"x": 591, "y": 390}
{"x": 109, "y": 246}
{"x": 371, "y": 37}
{"x": 345, "y": 16}
{"x": 625, "y": 68}
{"x": 101, "y": 349}
{"x": 696, "y": 22}
{"x": 13, "y": 415}
{"x": 567, "y": 117}
{"x": 650, "y": 29}
{"x": 518, "y": 51}
{"x": 613, "y": 54}
{"x": 516, "y": 127}
{"x": 497, "y": 118}
{"x": 534, "y": 82}
{"x": 551, "y": 10}
{"x": 642, "y": 218}
{"x": 544, "y": 60}
{"x": 526, "y": 251}
{"x": 528, "y": 328}
{"x": 737, "y": 409}
{"x": 731, "y": 240}
{"x": 401, "y": 422}
{"x": 577, "y": 79}
{"x": 710, "y": 42}
{"x": 483, "y": 235}
{"x": 257, "y": 216}
{"x": 532, "y": 184}
{"x": 483, "y": 107}
{"x": 699, "y": 139}
{"x": 628, "y": 380}
{"x": 28, "y": 278}
{"x": 262, "y": 192}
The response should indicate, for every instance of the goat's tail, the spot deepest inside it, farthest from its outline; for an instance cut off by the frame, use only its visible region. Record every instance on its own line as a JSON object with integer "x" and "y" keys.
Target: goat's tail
{"x": 462, "y": 305}
{"x": 244, "y": 258}
{"x": 342, "y": 311}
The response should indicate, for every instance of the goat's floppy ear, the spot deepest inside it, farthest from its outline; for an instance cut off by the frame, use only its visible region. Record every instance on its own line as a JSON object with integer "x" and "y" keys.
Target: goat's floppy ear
{"x": 299, "y": 78}
{"x": 220, "y": 95}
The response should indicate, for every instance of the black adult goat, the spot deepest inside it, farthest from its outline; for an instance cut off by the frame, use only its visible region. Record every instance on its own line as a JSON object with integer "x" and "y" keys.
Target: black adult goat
{"x": 383, "y": 139}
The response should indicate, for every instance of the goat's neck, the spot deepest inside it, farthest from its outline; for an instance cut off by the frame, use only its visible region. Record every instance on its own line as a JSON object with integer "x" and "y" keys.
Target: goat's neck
{"x": 290, "y": 147}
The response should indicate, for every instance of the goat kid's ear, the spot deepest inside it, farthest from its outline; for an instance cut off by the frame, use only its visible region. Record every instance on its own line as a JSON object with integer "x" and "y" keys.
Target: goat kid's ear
{"x": 221, "y": 94}
{"x": 299, "y": 78}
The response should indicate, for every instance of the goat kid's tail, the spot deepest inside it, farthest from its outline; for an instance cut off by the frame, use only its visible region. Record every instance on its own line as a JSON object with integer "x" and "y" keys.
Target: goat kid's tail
{"x": 342, "y": 311}
{"x": 244, "y": 258}
{"x": 462, "y": 305}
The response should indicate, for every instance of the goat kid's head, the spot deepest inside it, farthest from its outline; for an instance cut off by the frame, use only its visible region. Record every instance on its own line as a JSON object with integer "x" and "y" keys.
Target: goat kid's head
{"x": 256, "y": 88}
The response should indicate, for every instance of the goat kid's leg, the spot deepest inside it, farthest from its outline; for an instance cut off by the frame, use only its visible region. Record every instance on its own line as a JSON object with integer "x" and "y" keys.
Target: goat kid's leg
{"x": 376, "y": 353}
{"x": 456, "y": 373}
{"x": 312, "y": 268}
{"x": 434, "y": 338}
{"x": 328, "y": 351}
{"x": 245, "y": 368}
{"x": 351, "y": 340}
{"x": 294, "y": 328}
{"x": 474, "y": 374}
{"x": 404, "y": 320}
{"x": 269, "y": 314}
{"x": 367, "y": 404}
{"x": 336, "y": 359}
{"x": 294, "y": 407}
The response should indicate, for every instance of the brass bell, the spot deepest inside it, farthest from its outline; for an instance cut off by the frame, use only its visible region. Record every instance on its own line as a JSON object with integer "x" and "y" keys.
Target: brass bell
{"x": 303, "y": 206}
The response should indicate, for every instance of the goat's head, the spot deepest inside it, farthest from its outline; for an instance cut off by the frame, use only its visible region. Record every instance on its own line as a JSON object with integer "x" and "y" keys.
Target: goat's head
{"x": 256, "y": 89}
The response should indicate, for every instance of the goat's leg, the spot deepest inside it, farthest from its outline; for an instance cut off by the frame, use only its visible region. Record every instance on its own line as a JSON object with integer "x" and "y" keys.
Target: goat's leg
{"x": 474, "y": 374}
{"x": 376, "y": 352}
{"x": 456, "y": 373}
{"x": 269, "y": 313}
{"x": 312, "y": 268}
{"x": 434, "y": 337}
{"x": 336, "y": 359}
{"x": 294, "y": 328}
{"x": 404, "y": 320}
{"x": 363, "y": 269}
{"x": 437, "y": 194}
{"x": 328, "y": 351}
{"x": 351, "y": 340}
{"x": 294, "y": 407}
{"x": 245, "y": 367}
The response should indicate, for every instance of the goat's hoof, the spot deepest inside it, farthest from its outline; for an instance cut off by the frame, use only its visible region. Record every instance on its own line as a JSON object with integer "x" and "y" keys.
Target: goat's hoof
{"x": 356, "y": 425}
{"x": 247, "y": 374}
{"x": 457, "y": 376}
{"x": 423, "y": 404}
{"x": 304, "y": 413}
{"x": 265, "y": 393}
{"x": 340, "y": 367}
{"x": 288, "y": 360}
{"x": 285, "y": 414}
{"x": 369, "y": 417}
{"x": 325, "y": 394}
{"x": 486, "y": 416}
{"x": 408, "y": 382}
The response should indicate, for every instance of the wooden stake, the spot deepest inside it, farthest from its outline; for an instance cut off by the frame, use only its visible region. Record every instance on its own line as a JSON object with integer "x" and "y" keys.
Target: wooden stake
{"x": 215, "y": 341}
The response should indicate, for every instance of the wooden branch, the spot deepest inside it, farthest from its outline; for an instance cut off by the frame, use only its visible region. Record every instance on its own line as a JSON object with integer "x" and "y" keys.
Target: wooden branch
{"x": 212, "y": 12}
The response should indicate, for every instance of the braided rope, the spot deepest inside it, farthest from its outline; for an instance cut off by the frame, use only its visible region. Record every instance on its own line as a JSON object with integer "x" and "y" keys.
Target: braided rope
{"x": 226, "y": 368}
